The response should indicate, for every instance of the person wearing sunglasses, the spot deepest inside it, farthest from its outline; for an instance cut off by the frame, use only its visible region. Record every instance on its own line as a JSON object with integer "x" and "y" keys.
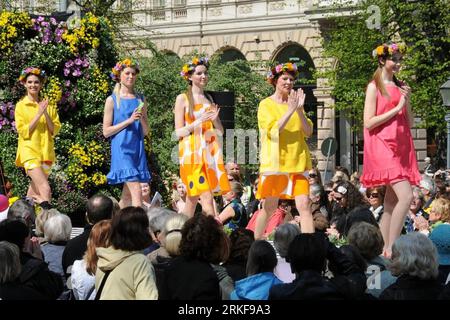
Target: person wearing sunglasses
{"x": 375, "y": 196}
{"x": 314, "y": 177}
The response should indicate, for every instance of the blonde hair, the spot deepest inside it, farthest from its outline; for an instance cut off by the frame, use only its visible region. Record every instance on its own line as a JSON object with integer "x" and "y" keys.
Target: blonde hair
{"x": 172, "y": 233}
{"x": 379, "y": 81}
{"x": 42, "y": 218}
{"x": 377, "y": 78}
{"x": 117, "y": 93}
{"x": 190, "y": 100}
{"x": 237, "y": 188}
{"x": 442, "y": 206}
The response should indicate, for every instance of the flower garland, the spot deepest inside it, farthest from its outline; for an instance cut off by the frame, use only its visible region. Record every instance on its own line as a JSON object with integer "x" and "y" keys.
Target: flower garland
{"x": 189, "y": 67}
{"x": 280, "y": 68}
{"x": 32, "y": 70}
{"x": 387, "y": 50}
{"x": 126, "y": 63}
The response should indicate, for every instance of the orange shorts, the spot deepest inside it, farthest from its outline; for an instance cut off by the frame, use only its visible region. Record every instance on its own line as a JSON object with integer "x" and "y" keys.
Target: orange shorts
{"x": 282, "y": 185}
{"x": 35, "y": 163}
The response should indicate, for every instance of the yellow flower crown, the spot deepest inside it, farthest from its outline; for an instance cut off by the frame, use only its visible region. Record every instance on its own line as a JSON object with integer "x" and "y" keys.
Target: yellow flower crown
{"x": 32, "y": 70}
{"x": 387, "y": 50}
{"x": 126, "y": 63}
{"x": 189, "y": 67}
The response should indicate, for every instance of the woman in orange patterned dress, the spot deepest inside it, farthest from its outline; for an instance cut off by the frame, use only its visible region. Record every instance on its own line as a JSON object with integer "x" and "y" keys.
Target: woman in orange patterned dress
{"x": 198, "y": 128}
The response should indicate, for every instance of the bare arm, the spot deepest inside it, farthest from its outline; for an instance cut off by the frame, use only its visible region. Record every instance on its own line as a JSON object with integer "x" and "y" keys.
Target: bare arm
{"x": 181, "y": 128}
{"x": 110, "y": 130}
{"x": 372, "y": 121}
{"x": 216, "y": 120}
{"x": 306, "y": 127}
{"x": 144, "y": 118}
{"x": 226, "y": 214}
{"x": 406, "y": 91}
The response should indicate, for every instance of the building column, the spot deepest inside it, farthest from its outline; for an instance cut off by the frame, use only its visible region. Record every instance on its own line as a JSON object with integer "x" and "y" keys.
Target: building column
{"x": 325, "y": 128}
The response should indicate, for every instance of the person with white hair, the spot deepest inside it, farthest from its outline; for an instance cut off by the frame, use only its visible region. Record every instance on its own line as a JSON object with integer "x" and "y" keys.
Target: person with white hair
{"x": 415, "y": 261}
{"x": 57, "y": 231}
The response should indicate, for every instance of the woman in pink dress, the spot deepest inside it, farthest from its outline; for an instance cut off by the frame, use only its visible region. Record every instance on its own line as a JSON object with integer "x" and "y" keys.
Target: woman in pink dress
{"x": 389, "y": 155}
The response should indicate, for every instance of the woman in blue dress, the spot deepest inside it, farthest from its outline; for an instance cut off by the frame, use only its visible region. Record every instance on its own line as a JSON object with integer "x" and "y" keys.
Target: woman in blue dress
{"x": 125, "y": 122}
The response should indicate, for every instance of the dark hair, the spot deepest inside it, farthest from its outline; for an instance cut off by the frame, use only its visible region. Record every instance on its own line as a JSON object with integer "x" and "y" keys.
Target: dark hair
{"x": 241, "y": 240}
{"x": 14, "y": 231}
{"x": 344, "y": 170}
{"x": 203, "y": 238}
{"x": 99, "y": 207}
{"x": 22, "y": 210}
{"x": 308, "y": 251}
{"x": 261, "y": 258}
{"x": 358, "y": 214}
{"x": 352, "y": 254}
{"x": 380, "y": 189}
{"x": 130, "y": 229}
{"x": 353, "y": 196}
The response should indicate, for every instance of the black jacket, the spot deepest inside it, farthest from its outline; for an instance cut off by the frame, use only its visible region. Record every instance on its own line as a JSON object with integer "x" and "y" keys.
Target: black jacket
{"x": 190, "y": 279}
{"x": 18, "y": 291}
{"x": 75, "y": 249}
{"x": 36, "y": 275}
{"x": 412, "y": 288}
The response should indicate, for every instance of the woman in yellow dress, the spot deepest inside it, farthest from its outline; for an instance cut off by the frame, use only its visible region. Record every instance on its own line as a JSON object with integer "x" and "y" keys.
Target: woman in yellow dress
{"x": 198, "y": 128}
{"x": 37, "y": 124}
{"x": 284, "y": 154}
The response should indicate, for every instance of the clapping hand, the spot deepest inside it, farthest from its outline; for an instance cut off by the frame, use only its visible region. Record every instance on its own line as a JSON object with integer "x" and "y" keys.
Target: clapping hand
{"x": 296, "y": 100}
{"x": 406, "y": 92}
{"x": 43, "y": 106}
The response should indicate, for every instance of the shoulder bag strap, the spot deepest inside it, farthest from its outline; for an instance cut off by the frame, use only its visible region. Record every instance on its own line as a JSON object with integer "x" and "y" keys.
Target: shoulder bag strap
{"x": 99, "y": 292}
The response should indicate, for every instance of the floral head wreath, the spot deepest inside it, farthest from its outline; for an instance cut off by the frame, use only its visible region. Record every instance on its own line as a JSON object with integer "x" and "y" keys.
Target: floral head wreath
{"x": 32, "y": 70}
{"x": 387, "y": 50}
{"x": 189, "y": 67}
{"x": 280, "y": 68}
{"x": 126, "y": 63}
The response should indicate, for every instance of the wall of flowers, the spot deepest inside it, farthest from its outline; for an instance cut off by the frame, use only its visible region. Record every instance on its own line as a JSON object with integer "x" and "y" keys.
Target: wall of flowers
{"x": 78, "y": 83}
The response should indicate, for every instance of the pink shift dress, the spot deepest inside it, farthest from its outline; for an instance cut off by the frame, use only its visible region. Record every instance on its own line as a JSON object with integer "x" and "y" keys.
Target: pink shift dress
{"x": 389, "y": 154}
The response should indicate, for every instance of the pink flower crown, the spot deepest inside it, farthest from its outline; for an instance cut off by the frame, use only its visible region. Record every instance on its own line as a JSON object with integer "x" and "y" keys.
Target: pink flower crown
{"x": 32, "y": 70}
{"x": 387, "y": 50}
{"x": 189, "y": 67}
{"x": 280, "y": 68}
{"x": 126, "y": 63}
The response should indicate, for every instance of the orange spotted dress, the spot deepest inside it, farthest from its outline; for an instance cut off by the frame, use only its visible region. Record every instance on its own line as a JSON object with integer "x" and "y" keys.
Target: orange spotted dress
{"x": 201, "y": 160}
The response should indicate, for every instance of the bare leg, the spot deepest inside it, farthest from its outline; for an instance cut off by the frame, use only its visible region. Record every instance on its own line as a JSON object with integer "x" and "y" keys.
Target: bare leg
{"x": 32, "y": 190}
{"x": 135, "y": 193}
{"x": 189, "y": 208}
{"x": 125, "y": 198}
{"x": 207, "y": 201}
{"x": 390, "y": 200}
{"x": 40, "y": 183}
{"x": 303, "y": 204}
{"x": 404, "y": 195}
{"x": 269, "y": 206}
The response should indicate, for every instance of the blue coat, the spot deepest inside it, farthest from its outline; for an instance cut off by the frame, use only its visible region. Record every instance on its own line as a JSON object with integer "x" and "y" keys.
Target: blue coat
{"x": 255, "y": 287}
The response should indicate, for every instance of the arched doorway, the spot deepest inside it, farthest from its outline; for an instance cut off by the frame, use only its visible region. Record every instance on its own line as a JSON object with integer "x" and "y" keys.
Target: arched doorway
{"x": 172, "y": 56}
{"x": 230, "y": 54}
{"x": 294, "y": 52}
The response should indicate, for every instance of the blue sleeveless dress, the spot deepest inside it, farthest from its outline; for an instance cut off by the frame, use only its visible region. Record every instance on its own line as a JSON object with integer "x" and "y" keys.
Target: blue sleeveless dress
{"x": 128, "y": 158}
